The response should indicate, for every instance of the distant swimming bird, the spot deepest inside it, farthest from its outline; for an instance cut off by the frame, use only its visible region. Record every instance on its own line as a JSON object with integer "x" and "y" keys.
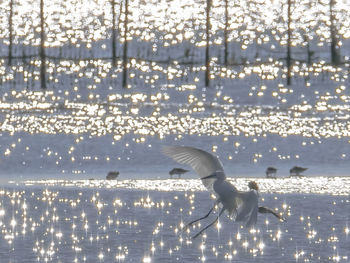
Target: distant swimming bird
{"x": 112, "y": 175}
{"x": 271, "y": 172}
{"x": 178, "y": 171}
{"x": 241, "y": 206}
{"x": 296, "y": 171}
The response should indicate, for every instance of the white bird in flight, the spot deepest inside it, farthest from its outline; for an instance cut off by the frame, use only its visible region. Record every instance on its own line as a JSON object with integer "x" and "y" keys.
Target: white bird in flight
{"x": 241, "y": 206}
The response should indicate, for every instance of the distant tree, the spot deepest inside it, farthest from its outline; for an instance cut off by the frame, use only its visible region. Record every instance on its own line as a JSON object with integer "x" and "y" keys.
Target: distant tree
{"x": 10, "y": 33}
{"x": 125, "y": 48}
{"x": 335, "y": 57}
{"x": 307, "y": 29}
{"x": 114, "y": 34}
{"x": 226, "y": 33}
{"x": 42, "y": 46}
{"x": 207, "y": 55}
{"x": 289, "y": 42}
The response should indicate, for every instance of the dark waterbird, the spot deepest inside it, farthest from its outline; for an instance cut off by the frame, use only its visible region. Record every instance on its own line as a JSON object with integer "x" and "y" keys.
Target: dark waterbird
{"x": 296, "y": 171}
{"x": 112, "y": 175}
{"x": 178, "y": 171}
{"x": 271, "y": 172}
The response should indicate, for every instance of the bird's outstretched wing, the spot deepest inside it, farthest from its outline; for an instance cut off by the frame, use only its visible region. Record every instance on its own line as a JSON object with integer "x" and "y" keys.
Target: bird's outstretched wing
{"x": 201, "y": 161}
{"x": 247, "y": 207}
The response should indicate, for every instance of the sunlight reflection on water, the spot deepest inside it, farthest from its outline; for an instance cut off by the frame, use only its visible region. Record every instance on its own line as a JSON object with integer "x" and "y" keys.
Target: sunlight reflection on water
{"x": 128, "y": 122}
{"x": 59, "y": 223}
{"x": 307, "y": 185}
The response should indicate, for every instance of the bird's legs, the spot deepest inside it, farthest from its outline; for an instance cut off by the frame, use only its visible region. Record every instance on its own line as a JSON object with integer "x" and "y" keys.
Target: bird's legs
{"x": 200, "y": 232}
{"x": 264, "y": 210}
{"x": 194, "y": 221}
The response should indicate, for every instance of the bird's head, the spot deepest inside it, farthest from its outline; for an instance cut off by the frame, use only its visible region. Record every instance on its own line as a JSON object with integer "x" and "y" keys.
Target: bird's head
{"x": 253, "y": 186}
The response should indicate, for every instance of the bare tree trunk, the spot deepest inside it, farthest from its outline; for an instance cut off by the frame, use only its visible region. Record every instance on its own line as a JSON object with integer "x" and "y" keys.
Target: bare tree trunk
{"x": 289, "y": 41}
{"x": 42, "y": 46}
{"x": 334, "y": 51}
{"x": 309, "y": 53}
{"x": 10, "y": 33}
{"x": 207, "y": 58}
{"x": 114, "y": 34}
{"x": 307, "y": 38}
{"x": 226, "y": 34}
{"x": 125, "y": 49}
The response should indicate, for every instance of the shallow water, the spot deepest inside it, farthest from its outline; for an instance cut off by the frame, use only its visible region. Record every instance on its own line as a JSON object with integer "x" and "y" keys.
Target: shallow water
{"x": 85, "y": 125}
{"x": 87, "y": 140}
{"x": 70, "y": 224}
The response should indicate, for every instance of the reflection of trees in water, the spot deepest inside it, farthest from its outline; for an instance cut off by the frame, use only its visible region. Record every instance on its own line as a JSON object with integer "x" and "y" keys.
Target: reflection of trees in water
{"x": 229, "y": 30}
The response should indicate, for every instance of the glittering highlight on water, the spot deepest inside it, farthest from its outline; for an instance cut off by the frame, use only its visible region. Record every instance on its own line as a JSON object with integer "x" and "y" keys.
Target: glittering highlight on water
{"x": 306, "y": 185}
{"x": 71, "y": 222}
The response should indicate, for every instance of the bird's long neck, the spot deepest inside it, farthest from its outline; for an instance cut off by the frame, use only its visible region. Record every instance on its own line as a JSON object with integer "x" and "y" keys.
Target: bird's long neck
{"x": 220, "y": 175}
{"x": 218, "y": 181}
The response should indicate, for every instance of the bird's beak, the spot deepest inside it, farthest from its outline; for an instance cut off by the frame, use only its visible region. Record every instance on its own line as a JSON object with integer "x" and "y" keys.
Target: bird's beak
{"x": 209, "y": 176}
